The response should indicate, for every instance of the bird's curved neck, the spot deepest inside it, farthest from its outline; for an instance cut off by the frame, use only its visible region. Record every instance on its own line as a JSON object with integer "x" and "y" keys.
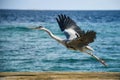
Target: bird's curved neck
{"x": 53, "y": 36}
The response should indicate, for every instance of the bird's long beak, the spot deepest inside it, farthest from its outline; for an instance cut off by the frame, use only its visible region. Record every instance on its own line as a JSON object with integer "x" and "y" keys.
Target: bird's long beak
{"x": 39, "y": 27}
{"x": 100, "y": 60}
{"x": 34, "y": 28}
{"x": 31, "y": 28}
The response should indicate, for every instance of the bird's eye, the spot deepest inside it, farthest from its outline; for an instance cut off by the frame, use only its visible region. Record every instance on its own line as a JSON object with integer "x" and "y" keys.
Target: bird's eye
{"x": 40, "y": 26}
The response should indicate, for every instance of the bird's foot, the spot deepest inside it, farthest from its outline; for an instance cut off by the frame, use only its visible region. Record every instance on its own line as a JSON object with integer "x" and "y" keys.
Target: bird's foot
{"x": 103, "y": 62}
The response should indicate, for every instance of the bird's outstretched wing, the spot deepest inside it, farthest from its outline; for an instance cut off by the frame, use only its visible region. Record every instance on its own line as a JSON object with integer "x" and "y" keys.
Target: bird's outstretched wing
{"x": 76, "y": 36}
{"x": 85, "y": 39}
{"x": 68, "y": 26}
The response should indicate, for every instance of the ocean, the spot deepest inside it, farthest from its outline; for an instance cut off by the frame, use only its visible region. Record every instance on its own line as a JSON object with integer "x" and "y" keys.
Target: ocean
{"x": 24, "y": 49}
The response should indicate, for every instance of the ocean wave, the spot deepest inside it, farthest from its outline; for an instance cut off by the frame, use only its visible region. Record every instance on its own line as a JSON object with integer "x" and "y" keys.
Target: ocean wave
{"x": 24, "y": 49}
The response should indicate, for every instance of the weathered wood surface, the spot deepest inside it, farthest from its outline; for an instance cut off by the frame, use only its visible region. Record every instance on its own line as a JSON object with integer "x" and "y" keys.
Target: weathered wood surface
{"x": 59, "y": 75}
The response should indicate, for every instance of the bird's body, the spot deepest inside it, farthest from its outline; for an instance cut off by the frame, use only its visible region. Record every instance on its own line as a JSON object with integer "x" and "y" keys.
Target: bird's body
{"x": 76, "y": 39}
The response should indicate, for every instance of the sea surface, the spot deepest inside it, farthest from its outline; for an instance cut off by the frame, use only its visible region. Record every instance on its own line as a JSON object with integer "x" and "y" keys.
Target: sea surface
{"x": 25, "y": 49}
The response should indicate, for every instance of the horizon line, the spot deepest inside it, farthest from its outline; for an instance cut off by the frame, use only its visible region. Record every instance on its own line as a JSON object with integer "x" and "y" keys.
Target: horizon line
{"x": 67, "y": 9}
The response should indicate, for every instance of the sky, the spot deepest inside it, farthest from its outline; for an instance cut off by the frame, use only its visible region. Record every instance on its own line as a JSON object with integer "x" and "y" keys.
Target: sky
{"x": 61, "y": 4}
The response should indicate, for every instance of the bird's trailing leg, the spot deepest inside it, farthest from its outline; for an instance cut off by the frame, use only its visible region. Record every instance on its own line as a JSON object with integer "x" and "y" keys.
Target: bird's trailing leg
{"x": 100, "y": 60}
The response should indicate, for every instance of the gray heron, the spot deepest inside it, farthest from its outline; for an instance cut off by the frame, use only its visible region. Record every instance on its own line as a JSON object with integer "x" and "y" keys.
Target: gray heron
{"x": 76, "y": 39}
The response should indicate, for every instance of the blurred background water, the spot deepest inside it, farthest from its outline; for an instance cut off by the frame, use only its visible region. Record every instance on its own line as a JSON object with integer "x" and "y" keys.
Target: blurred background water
{"x": 24, "y": 49}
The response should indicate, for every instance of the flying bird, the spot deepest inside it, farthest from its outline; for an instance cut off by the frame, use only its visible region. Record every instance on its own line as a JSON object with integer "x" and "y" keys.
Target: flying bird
{"x": 76, "y": 39}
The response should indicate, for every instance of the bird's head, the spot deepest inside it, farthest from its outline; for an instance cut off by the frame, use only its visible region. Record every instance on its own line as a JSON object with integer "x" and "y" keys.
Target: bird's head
{"x": 39, "y": 27}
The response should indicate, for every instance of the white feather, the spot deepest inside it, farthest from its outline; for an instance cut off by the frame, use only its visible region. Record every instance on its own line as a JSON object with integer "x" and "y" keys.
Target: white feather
{"x": 89, "y": 48}
{"x": 72, "y": 33}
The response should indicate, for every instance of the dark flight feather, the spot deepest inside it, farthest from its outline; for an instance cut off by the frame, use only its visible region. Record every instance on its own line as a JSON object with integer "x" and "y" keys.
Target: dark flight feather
{"x": 66, "y": 22}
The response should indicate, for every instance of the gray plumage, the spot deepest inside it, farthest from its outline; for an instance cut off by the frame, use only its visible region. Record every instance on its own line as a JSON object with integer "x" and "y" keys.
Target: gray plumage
{"x": 82, "y": 38}
{"x": 76, "y": 39}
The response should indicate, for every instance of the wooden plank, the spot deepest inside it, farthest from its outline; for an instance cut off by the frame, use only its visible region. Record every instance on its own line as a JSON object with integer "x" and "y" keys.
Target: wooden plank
{"x": 59, "y": 75}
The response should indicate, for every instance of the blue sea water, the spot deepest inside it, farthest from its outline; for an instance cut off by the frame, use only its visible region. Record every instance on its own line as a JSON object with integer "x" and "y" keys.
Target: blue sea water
{"x": 24, "y": 49}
